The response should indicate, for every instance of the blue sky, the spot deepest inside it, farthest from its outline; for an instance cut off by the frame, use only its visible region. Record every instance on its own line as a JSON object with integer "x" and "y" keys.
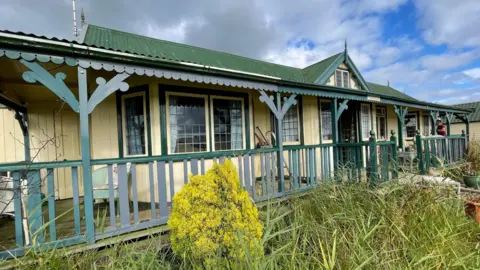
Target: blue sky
{"x": 428, "y": 49}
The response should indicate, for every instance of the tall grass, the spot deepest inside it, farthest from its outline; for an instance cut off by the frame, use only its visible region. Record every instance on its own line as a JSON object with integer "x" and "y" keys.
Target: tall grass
{"x": 347, "y": 226}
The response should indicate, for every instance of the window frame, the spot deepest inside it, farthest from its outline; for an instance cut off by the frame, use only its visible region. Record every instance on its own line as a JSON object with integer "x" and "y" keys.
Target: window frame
{"x": 212, "y": 125}
{"x": 321, "y": 119}
{"x": 377, "y": 116}
{"x": 343, "y": 72}
{"x": 167, "y": 120}
{"x": 429, "y": 124}
{"x": 299, "y": 142}
{"x": 124, "y": 140}
{"x": 370, "y": 116}
{"x": 417, "y": 124}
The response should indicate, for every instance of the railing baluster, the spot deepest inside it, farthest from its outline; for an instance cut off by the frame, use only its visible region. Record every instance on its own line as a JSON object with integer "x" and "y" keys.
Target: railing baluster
{"x": 17, "y": 206}
{"x": 51, "y": 204}
{"x": 111, "y": 196}
{"x": 162, "y": 190}
{"x": 136, "y": 218}
{"x": 152, "y": 190}
{"x": 172, "y": 180}
{"x": 202, "y": 166}
{"x": 185, "y": 172}
{"x": 76, "y": 202}
{"x": 194, "y": 166}
{"x": 262, "y": 172}
{"x": 267, "y": 168}
{"x": 246, "y": 173}
{"x": 123, "y": 195}
{"x": 240, "y": 171}
{"x": 34, "y": 200}
{"x": 254, "y": 180}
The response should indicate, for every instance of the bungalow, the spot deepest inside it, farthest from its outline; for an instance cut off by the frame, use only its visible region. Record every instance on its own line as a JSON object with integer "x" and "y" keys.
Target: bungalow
{"x": 112, "y": 124}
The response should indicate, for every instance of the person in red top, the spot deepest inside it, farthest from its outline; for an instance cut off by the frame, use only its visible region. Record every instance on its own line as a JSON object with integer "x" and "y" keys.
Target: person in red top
{"x": 441, "y": 128}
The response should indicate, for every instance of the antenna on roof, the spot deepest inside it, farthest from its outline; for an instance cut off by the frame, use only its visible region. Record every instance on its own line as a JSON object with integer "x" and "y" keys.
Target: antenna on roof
{"x": 75, "y": 30}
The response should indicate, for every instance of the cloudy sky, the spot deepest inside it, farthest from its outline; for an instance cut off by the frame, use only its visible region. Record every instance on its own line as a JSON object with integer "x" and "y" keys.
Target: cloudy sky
{"x": 429, "y": 49}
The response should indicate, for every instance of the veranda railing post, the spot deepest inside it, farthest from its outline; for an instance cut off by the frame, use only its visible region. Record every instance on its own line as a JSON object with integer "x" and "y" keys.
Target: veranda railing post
{"x": 86, "y": 161}
{"x": 394, "y": 158}
{"x": 373, "y": 177}
{"x": 418, "y": 141}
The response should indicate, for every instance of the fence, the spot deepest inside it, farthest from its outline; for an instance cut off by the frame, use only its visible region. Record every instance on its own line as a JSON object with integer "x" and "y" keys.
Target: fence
{"x": 434, "y": 152}
{"x": 132, "y": 194}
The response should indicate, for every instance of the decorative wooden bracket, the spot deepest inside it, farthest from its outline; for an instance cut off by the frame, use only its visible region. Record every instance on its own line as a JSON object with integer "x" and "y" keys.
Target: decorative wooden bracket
{"x": 449, "y": 117}
{"x": 464, "y": 117}
{"x": 22, "y": 120}
{"x": 104, "y": 89}
{"x": 341, "y": 108}
{"x": 401, "y": 112}
{"x": 55, "y": 84}
{"x": 434, "y": 115}
{"x": 278, "y": 110}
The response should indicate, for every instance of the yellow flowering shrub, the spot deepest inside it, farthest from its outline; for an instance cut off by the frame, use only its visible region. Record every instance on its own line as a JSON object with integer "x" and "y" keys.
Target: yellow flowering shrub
{"x": 213, "y": 218}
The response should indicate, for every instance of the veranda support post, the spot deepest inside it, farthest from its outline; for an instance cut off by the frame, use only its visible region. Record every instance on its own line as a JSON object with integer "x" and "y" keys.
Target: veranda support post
{"x": 394, "y": 158}
{"x": 373, "y": 176}
{"x": 401, "y": 113}
{"x": 86, "y": 160}
{"x": 420, "y": 157}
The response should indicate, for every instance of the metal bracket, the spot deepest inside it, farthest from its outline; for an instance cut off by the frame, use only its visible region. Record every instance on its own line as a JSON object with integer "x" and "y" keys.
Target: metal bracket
{"x": 22, "y": 120}
{"x": 104, "y": 89}
{"x": 55, "y": 84}
{"x": 464, "y": 117}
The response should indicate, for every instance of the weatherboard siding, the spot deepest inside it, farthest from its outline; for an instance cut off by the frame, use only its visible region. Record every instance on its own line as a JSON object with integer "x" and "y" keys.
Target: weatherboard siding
{"x": 11, "y": 137}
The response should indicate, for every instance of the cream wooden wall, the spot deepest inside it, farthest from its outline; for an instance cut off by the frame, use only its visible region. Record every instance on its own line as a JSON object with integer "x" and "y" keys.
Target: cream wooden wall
{"x": 11, "y": 137}
{"x": 456, "y": 129}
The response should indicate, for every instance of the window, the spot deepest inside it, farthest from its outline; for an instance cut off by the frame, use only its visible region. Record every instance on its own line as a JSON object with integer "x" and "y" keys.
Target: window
{"x": 290, "y": 125}
{"x": 365, "y": 120}
{"x": 427, "y": 128}
{"x": 342, "y": 78}
{"x": 134, "y": 111}
{"x": 187, "y": 123}
{"x": 326, "y": 120}
{"x": 227, "y": 123}
{"x": 410, "y": 129}
{"x": 381, "y": 123}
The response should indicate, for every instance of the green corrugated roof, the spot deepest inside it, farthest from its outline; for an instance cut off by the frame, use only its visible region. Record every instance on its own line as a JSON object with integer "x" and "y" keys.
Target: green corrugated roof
{"x": 474, "y": 106}
{"x": 126, "y": 42}
{"x": 312, "y": 72}
{"x": 389, "y": 91}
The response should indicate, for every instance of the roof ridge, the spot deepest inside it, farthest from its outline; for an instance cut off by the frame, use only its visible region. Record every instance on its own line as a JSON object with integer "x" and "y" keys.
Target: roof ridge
{"x": 323, "y": 60}
{"x": 191, "y": 46}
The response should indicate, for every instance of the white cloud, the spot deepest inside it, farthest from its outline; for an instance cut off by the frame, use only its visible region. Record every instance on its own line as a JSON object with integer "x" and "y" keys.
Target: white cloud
{"x": 447, "y": 60}
{"x": 474, "y": 73}
{"x": 174, "y": 32}
{"x": 449, "y": 22}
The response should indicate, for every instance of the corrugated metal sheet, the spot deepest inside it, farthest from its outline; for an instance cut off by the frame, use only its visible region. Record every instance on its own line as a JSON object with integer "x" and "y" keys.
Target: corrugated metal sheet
{"x": 127, "y": 42}
{"x": 388, "y": 91}
{"x": 474, "y": 116}
{"x": 311, "y": 73}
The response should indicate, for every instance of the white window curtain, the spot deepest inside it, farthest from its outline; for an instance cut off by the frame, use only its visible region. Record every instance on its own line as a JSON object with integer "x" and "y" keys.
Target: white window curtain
{"x": 236, "y": 127}
{"x": 365, "y": 121}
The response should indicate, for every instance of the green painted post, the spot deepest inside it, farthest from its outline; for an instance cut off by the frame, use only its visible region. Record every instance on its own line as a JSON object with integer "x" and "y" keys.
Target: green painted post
{"x": 85, "y": 148}
{"x": 421, "y": 163}
{"x": 373, "y": 177}
{"x": 468, "y": 129}
{"x": 401, "y": 113}
{"x": 434, "y": 116}
{"x": 449, "y": 117}
{"x": 281, "y": 176}
{"x": 335, "y": 136}
{"x": 394, "y": 158}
